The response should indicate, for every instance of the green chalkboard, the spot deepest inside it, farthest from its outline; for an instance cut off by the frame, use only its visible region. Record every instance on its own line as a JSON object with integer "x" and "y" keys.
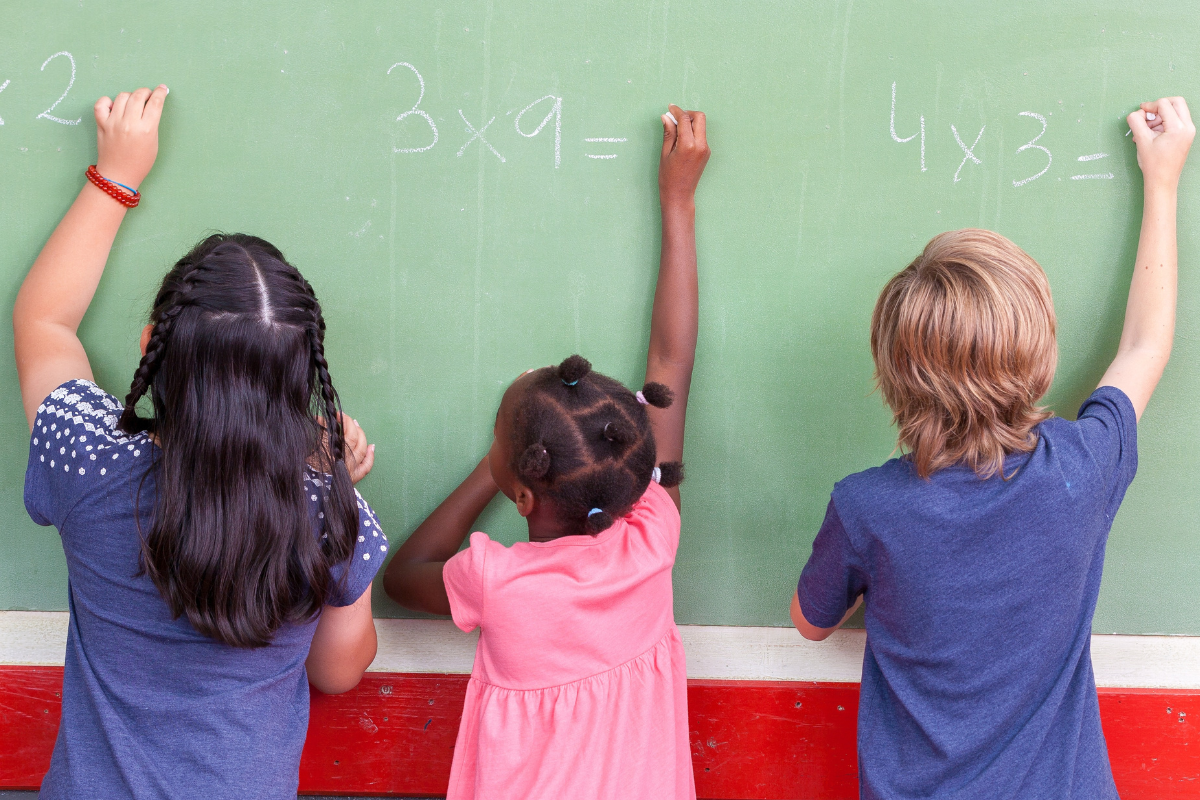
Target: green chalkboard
{"x": 471, "y": 189}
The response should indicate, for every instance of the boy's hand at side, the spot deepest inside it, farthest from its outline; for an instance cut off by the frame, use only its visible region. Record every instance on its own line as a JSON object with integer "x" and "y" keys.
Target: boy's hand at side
{"x": 127, "y": 134}
{"x": 684, "y": 154}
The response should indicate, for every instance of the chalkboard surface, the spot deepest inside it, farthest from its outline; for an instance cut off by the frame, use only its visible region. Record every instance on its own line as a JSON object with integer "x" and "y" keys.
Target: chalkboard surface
{"x": 471, "y": 189}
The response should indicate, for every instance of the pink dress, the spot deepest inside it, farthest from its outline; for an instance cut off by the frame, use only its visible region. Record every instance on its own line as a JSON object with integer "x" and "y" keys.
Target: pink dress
{"x": 579, "y": 688}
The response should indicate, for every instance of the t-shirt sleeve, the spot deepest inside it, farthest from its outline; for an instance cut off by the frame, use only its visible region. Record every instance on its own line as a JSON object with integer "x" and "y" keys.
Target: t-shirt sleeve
{"x": 1108, "y": 425}
{"x": 464, "y": 577}
{"x": 72, "y": 446}
{"x": 656, "y": 512}
{"x": 834, "y": 576}
{"x": 370, "y": 550}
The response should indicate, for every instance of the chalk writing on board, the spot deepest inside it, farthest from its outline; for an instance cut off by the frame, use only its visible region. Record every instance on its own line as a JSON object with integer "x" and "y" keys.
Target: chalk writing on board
{"x": 969, "y": 152}
{"x": 552, "y": 105}
{"x": 46, "y": 114}
{"x": 1100, "y": 175}
{"x": 3, "y": 86}
{"x": 603, "y": 156}
{"x": 910, "y": 138}
{"x": 478, "y": 134}
{"x": 1032, "y": 144}
{"x": 414, "y": 110}
{"x": 555, "y": 113}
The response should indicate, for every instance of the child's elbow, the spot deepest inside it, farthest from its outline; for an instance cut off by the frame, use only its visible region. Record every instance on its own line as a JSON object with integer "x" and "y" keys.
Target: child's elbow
{"x": 806, "y": 628}
{"x": 335, "y": 684}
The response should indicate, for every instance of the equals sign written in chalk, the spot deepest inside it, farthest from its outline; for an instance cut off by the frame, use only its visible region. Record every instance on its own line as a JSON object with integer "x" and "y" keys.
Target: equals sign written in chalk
{"x": 613, "y": 139}
{"x": 1093, "y": 175}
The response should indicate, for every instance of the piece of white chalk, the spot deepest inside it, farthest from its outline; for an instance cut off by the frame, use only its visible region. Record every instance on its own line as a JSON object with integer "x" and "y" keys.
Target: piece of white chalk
{"x": 671, "y": 117}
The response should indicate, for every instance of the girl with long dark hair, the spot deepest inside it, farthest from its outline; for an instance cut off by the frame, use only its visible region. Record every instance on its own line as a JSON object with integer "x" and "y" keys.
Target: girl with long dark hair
{"x": 217, "y": 551}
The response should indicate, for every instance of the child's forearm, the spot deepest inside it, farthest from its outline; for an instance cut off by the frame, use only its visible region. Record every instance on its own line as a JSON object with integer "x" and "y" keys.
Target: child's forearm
{"x": 674, "y": 320}
{"x": 413, "y": 577}
{"x": 442, "y": 533}
{"x": 1150, "y": 311}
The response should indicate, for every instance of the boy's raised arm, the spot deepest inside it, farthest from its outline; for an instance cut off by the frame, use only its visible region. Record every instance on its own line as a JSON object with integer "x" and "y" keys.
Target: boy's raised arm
{"x": 674, "y": 320}
{"x": 60, "y": 285}
{"x": 1163, "y": 132}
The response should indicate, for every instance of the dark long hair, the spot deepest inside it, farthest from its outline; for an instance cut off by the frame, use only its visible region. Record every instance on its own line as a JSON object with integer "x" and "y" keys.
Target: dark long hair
{"x": 235, "y": 367}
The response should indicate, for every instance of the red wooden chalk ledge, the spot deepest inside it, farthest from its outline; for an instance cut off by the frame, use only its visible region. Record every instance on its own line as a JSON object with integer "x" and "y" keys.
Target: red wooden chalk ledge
{"x": 394, "y": 734}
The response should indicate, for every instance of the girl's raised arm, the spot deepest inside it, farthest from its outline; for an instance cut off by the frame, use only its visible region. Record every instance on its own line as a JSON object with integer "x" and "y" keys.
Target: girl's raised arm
{"x": 674, "y": 321}
{"x": 60, "y": 285}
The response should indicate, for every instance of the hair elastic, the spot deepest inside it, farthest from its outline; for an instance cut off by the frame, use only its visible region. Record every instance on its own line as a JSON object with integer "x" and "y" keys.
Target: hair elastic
{"x": 595, "y": 511}
{"x": 641, "y": 398}
{"x": 572, "y": 383}
{"x": 656, "y": 475}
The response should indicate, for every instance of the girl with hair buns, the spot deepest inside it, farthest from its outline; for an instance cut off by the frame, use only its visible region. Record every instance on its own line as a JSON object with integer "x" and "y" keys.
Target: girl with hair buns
{"x": 217, "y": 552}
{"x": 579, "y": 687}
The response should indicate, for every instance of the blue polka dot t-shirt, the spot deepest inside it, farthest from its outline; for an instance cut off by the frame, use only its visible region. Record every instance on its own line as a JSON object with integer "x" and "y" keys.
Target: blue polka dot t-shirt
{"x": 151, "y": 707}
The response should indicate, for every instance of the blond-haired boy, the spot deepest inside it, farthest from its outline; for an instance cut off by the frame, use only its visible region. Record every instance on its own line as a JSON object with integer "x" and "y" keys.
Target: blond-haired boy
{"x": 980, "y": 551}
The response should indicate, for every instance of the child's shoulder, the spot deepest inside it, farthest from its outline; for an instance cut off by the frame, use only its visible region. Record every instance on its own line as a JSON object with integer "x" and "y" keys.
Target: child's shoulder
{"x": 80, "y": 403}
{"x": 895, "y": 472}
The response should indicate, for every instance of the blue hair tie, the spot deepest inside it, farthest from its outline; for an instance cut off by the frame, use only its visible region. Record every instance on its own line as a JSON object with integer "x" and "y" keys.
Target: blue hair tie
{"x": 595, "y": 511}
{"x": 572, "y": 383}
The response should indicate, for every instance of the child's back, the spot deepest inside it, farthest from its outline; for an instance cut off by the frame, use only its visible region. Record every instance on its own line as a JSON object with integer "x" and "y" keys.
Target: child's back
{"x": 980, "y": 552}
{"x": 576, "y": 629}
{"x": 151, "y": 706}
{"x": 981, "y": 601}
{"x": 579, "y": 687}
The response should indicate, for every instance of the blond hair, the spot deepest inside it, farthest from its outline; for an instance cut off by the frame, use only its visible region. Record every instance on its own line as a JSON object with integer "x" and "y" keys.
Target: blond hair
{"x": 964, "y": 345}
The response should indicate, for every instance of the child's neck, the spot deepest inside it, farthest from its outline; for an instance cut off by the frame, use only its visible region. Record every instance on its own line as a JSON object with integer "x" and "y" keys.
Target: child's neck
{"x": 545, "y": 525}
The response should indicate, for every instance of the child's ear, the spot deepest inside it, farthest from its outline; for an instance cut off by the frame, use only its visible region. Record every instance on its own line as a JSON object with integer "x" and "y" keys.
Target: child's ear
{"x": 146, "y": 331}
{"x": 524, "y": 499}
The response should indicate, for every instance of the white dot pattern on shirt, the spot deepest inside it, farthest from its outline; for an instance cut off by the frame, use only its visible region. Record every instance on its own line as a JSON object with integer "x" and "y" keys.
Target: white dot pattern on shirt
{"x": 97, "y": 416}
{"x": 81, "y": 409}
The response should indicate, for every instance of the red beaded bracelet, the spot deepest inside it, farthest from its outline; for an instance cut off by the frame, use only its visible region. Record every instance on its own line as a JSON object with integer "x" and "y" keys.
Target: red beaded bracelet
{"x": 111, "y": 189}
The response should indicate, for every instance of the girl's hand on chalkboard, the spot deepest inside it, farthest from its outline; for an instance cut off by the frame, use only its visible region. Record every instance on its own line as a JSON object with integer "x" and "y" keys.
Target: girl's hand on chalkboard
{"x": 1163, "y": 132}
{"x": 127, "y": 134}
{"x": 360, "y": 456}
{"x": 684, "y": 154}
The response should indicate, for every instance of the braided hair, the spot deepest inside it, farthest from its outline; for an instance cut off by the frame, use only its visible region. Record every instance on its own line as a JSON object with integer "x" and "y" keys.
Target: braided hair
{"x": 236, "y": 373}
{"x": 584, "y": 441}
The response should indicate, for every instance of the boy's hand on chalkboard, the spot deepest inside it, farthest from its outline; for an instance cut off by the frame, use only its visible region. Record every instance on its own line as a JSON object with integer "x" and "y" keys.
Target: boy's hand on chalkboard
{"x": 684, "y": 154}
{"x": 1163, "y": 132}
{"x": 127, "y": 134}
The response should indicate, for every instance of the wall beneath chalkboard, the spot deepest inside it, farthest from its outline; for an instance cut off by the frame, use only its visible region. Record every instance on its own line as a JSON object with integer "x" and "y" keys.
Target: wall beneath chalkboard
{"x": 471, "y": 189}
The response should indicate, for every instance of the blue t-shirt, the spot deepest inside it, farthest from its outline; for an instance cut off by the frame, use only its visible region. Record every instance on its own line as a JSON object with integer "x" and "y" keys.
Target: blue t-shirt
{"x": 977, "y": 680}
{"x": 150, "y": 707}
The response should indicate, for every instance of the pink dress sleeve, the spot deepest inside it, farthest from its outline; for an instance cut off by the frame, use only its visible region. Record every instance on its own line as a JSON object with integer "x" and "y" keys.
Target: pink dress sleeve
{"x": 655, "y": 511}
{"x": 464, "y": 579}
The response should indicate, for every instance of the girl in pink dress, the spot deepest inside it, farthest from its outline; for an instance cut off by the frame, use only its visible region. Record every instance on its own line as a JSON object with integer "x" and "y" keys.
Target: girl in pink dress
{"x": 579, "y": 687}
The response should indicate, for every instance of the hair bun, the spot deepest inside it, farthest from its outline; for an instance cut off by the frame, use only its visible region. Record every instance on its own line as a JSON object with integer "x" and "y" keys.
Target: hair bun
{"x": 619, "y": 431}
{"x": 573, "y": 368}
{"x": 671, "y": 474}
{"x": 658, "y": 395}
{"x": 598, "y": 521}
{"x": 535, "y": 462}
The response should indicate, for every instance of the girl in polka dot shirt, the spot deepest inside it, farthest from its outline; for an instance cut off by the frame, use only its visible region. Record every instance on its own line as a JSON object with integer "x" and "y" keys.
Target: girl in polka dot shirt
{"x": 219, "y": 559}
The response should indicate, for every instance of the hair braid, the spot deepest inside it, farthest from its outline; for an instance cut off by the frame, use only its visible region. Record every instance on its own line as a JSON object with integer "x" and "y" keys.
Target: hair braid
{"x": 333, "y": 420}
{"x": 148, "y": 367}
